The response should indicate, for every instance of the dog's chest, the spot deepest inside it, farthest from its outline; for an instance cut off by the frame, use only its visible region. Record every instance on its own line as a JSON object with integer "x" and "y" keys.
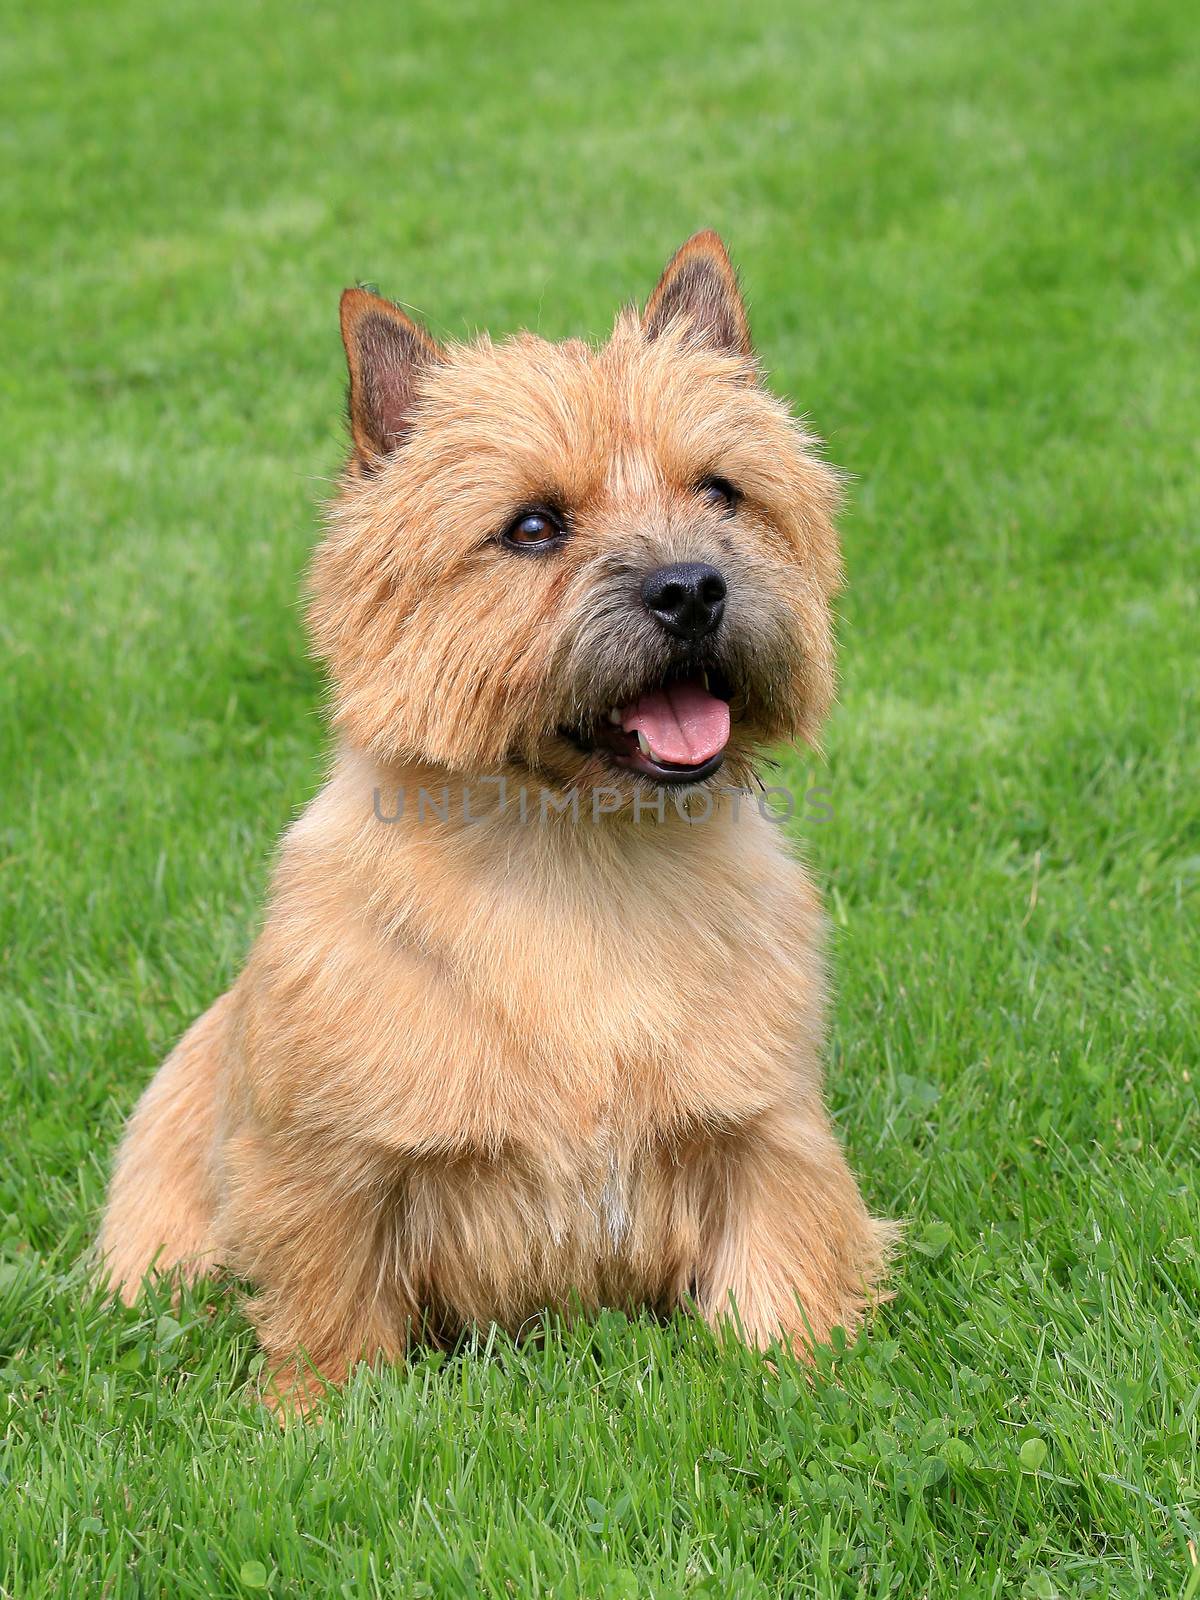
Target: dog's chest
{"x": 600, "y": 1211}
{"x": 614, "y": 1203}
{"x": 567, "y": 1025}
{"x": 585, "y": 1042}
{"x": 502, "y": 1237}
{"x": 659, "y": 992}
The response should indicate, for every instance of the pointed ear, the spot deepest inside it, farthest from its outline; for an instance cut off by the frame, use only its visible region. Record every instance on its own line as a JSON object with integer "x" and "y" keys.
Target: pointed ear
{"x": 386, "y": 352}
{"x": 700, "y": 286}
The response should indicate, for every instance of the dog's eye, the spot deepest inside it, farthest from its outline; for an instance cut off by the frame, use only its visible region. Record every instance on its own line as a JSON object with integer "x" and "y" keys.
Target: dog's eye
{"x": 719, "y": 493}
{"x": 537, "y": 526}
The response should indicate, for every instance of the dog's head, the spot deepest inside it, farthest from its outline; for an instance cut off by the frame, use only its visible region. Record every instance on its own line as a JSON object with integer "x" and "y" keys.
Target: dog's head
{"x": 612, "y": 566}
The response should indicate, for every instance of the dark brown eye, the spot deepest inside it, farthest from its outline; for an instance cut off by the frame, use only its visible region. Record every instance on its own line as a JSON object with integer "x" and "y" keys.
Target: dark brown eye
{"x": 537, "y": 526}
{"x": 719, "y": 493}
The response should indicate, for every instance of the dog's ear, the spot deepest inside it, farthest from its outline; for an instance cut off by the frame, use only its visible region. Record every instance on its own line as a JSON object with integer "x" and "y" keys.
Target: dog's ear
{"x": 700, "y": 287}
{"x": 386, "y": 352}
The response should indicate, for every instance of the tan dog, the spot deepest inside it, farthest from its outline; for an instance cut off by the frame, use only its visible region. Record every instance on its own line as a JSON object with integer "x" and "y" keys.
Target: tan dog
{"x": 505, "y": 1045}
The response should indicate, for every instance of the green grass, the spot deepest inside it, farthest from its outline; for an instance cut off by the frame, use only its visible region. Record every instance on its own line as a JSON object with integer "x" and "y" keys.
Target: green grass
{"x": 970, "y": 238}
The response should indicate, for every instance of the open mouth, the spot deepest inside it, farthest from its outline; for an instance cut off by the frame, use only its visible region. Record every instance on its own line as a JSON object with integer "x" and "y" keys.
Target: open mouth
{"x": 675, "y": 733}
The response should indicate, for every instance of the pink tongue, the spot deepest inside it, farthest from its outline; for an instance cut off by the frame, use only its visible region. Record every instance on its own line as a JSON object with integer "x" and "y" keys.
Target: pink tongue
{"x": 683, "y": 724}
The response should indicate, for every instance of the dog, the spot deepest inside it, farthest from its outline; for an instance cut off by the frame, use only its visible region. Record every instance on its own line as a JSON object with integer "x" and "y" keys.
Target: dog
{"x": 560, "y": 1046}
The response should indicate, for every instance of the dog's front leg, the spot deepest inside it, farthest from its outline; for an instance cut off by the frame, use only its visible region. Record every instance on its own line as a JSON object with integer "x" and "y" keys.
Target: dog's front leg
{"x": 313, "y": 1228}
{"x": 789, "y": 1250}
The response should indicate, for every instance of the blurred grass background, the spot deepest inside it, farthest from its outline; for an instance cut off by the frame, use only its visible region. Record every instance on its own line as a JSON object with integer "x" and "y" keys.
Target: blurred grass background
{"x": 969, "y": 237}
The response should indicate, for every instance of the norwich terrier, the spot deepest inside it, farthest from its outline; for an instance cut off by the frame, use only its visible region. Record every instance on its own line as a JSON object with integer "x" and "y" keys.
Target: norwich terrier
{"x": 536, "y": 1016}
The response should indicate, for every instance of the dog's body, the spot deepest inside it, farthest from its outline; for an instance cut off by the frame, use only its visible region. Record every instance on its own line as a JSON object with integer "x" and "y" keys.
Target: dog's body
{"x": 491, "y": 1053}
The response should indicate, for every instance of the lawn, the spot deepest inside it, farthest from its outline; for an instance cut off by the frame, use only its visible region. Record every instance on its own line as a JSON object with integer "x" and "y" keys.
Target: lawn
{"x": 970, "y": 238}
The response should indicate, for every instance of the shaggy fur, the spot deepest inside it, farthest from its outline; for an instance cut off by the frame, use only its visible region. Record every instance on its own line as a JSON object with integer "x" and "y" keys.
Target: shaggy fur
{"x": 480, "y": 1065}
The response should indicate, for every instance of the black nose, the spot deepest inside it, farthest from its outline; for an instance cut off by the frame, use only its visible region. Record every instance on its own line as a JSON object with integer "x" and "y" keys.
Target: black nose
{"x": 688, "y": 598}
